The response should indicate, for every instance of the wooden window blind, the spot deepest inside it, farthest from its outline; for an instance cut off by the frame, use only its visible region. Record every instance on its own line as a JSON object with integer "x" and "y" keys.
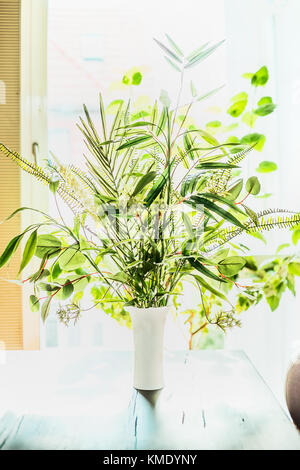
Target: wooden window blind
{"x": 10, "y": 294}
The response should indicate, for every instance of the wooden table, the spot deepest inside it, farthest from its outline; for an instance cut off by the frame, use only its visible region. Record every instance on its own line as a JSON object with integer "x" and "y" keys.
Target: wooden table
{"x": 83, "y": 399}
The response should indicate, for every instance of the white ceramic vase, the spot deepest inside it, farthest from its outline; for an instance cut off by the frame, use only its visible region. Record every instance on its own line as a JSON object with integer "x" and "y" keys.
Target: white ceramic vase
{"x": 148, "y": 335}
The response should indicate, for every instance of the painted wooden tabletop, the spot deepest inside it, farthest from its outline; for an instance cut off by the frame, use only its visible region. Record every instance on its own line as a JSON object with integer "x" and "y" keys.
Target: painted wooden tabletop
{"x": 83, "y": 399}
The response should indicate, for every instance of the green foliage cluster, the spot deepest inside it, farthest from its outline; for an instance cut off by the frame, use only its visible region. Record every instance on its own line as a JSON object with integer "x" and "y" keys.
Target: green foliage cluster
{"x": 159, "y": 201}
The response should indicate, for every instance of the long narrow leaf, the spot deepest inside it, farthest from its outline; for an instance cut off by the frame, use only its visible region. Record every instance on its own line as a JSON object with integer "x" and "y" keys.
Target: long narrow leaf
{"x": 174, "y": 45}
{"x": 202, "y": 55}
{"x": 134, "y": 142}
{"x": 158, "y": 186}
{"x": 202, "y": 269}
{"x": 207, "y": 204}
{"x": 168, "y": 51}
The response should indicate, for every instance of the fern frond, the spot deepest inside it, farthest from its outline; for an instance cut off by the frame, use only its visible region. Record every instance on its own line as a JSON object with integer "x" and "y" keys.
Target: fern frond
{"x": 89, "y": 185}
{"x": 42, "y": 175}
{"x": 219, "y": 181}
{"x": 26, "y": 165}
{"x": 265, "y": 224}
{"x": 238, "y": 157}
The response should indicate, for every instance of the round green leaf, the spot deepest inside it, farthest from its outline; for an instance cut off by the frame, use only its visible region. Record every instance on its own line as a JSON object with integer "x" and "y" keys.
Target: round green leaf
{"x": 254, "y": 139}
{"x": 125, "y": 80}
{"x": 266, "y": 167}
{"x": 253, "y": 185}
{"x": 231, "y": 265}
{"x": 265, "y": 109}
{"x": 260, "y": 77}
{"x": 237, "y": 108}
{"x": 136, "y": 78}
{"x": 264, "y": 100}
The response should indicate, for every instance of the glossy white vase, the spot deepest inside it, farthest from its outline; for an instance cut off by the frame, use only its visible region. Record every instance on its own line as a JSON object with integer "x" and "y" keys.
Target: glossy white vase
{"x": 148, "y": 326}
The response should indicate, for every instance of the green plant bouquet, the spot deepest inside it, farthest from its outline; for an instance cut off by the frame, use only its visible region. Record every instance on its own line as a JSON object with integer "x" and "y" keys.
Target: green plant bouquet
{"x": 158, "y": 201}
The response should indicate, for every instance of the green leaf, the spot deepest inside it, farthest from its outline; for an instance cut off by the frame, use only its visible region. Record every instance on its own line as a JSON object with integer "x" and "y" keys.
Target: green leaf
{"x": 76, "y": 227}
{"x": 282, "y": 247}
{"x": 188, "y": 225}
{"x": 266, "y": 167}
{"x": 294, "y": 268}
{"x": 54, "y": 183}
{"x": 29, "y": 250}
{"x": 253, "y": 185}
{"x": 196, "y": 52}
{"x": 102, "y": 114}
{"x": 239, "y": 104}
{"x": 265, "y": 109}
{"x": 158, "y": 186}
{"x": 214, "y": 166}
{"x": 203, "y": 54}
{"x": 174, "y": 46}
{"x": 200, "y": 267}
{"x": 247, "y": 75}
{"x": 210, "y": 93}
{"x": 224, "y": 200}
{"x": 231, "y": 266}
{"x": 264, "y": 100}
{"x": 10, "y": 249}
{"x": 67, "y": 290}
{"x": 56, "y": 271}
{"x": 273, "y": 301}
{"x": 135, "y": 141}
{"x": 172, "y": 64}
{"x": 214, "y": 124}
{"x": 264, "y": 196}
{"x": 71, "y": 259}
{"x": 260, "y": 77}
{"x": 251, "y": 213}
{"x": 168, "y": 51}
{"x": 34, "y": 303}
{"x": 193, "y": 90}
{"x": 136, "y": 78}
{"x": 209, "y": 287}
{"x": 45, "y": 309}
{"x": 208, "y": 137}
{"x": 296, "y": 236}
{"x": 197, "y": 200}
{"x": 125, "y": 80}
{"x": 254, "y": 139}
{"x": 235, "y": 190}
{"x": 164, "y": 98}
{"x": 119, "y": 277}
{"x": 144, "y": 181}
{"x": 249, "y": 118}
{"x": 162, "y": 120}
{"x": 258, "y": 235}
{"x": 47, "y": 245}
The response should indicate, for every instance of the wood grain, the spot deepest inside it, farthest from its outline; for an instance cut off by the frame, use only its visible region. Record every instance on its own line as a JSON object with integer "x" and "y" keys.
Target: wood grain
{"x": 81, "y": 399}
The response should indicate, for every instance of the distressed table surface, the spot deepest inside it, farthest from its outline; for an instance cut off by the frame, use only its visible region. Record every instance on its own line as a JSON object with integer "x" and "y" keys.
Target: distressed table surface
{"x": 83, "y": 399}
